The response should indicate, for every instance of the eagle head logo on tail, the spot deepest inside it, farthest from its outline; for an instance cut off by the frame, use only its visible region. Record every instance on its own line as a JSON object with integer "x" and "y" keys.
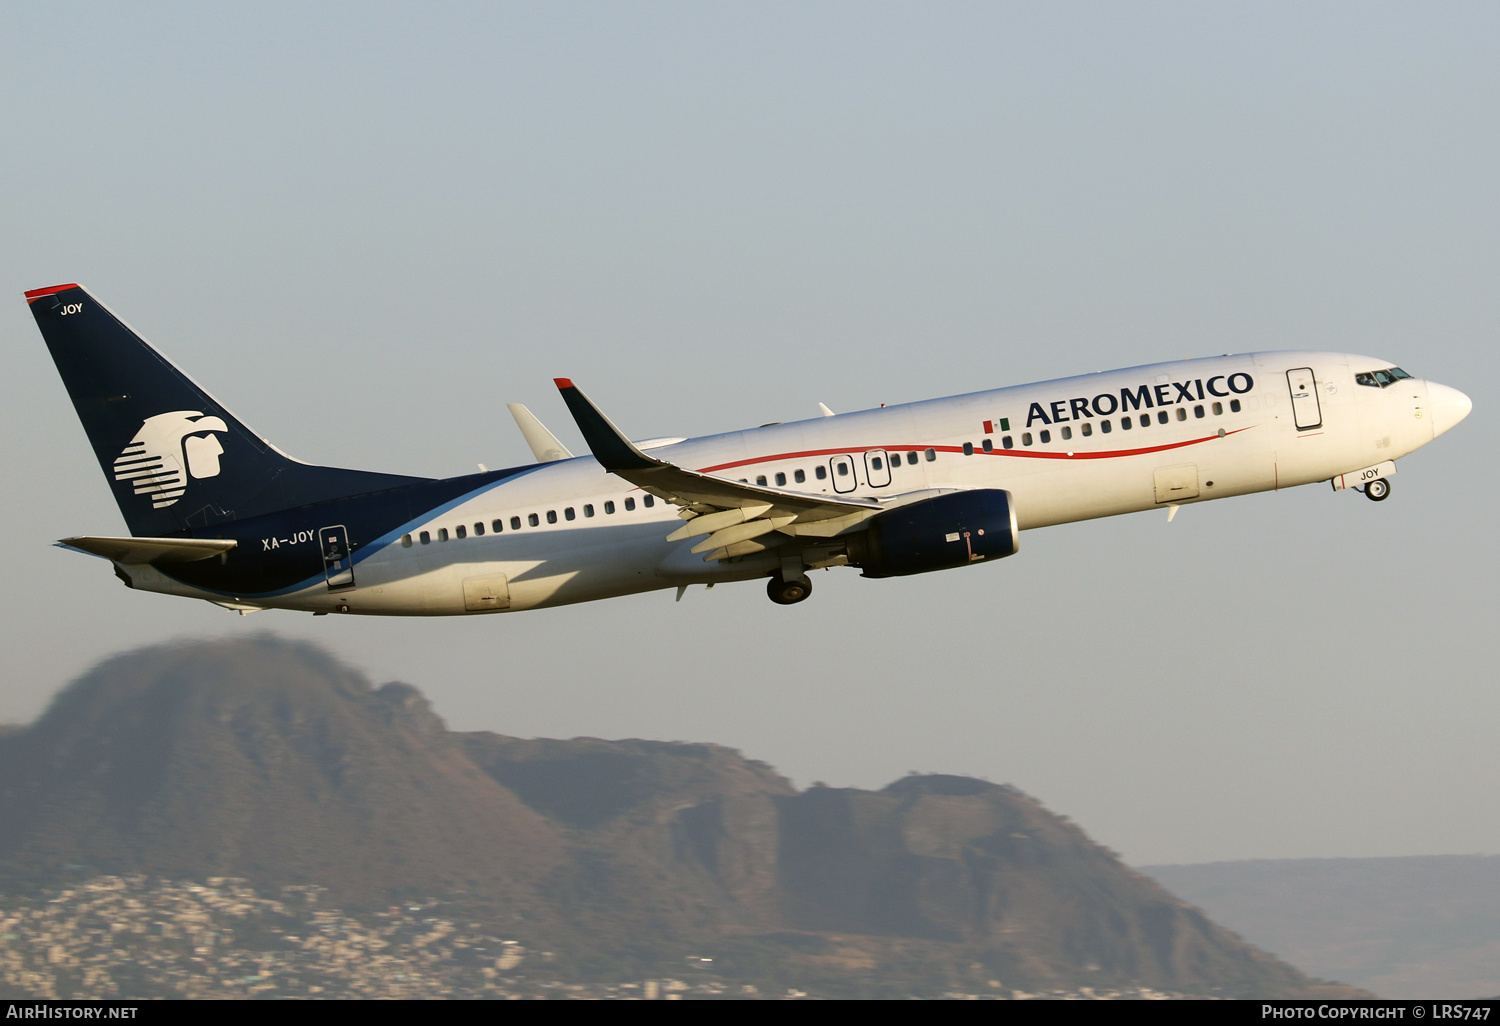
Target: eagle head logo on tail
{"x": 167, "y": 450}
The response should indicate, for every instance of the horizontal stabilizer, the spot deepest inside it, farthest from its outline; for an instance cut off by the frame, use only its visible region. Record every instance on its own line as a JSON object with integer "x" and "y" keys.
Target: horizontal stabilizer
{"x": 151, "y": 550}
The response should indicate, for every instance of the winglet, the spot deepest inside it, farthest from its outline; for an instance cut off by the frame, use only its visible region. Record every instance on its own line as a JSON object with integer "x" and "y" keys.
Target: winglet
{"x": 544, "y": 444}
{"x": 608, "y": 444}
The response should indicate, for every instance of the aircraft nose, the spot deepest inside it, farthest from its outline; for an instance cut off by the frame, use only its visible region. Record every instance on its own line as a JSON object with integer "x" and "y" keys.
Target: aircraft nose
{"x": 1449, "y": 406}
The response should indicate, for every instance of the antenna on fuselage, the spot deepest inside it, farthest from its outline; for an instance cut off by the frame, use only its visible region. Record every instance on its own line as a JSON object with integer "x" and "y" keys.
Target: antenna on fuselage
{"x": 826, "y": 411}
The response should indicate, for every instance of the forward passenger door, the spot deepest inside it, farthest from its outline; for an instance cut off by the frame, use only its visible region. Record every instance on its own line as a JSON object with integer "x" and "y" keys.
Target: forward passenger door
{"x": 1306, "y": 412}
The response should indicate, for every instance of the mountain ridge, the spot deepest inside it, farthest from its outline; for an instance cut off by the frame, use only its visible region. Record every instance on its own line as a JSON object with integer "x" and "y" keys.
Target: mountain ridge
{"x": 268, "y": 760}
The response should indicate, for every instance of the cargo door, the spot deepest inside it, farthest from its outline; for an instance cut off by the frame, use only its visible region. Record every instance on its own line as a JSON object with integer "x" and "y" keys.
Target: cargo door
{"x": 483, "y": 594}
{"x": 338, "y": 561}
{"x": 1175, "y": 484}
{"x": 1306, "y": 412}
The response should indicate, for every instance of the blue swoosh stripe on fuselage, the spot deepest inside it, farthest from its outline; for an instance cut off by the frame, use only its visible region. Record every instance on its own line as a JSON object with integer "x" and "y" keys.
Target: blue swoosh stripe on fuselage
{"x": 373, "y": 522}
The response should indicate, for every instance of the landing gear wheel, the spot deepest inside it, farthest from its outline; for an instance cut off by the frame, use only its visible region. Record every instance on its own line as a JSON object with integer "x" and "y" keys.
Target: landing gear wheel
{"x": 788, "y": 593}
{"x": 1378, "y": 490}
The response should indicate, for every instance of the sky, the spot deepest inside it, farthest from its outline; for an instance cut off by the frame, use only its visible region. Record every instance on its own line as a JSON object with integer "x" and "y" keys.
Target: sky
{"x": 366, "y": 227}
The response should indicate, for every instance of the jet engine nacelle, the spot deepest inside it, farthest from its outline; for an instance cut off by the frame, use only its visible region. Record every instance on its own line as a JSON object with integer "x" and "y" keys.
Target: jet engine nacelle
{"x": 938, "y": 534}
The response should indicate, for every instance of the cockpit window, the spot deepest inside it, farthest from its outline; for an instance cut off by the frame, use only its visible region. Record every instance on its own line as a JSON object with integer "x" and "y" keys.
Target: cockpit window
{"x": 1381, "y": 378}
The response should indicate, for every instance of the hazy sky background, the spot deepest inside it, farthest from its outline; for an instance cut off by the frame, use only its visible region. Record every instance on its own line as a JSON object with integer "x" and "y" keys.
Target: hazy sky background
{"x": 366, "y": 227}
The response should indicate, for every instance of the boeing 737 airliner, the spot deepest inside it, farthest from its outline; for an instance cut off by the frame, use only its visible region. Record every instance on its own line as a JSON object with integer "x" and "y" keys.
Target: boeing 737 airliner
{"x": 216, "y": 512}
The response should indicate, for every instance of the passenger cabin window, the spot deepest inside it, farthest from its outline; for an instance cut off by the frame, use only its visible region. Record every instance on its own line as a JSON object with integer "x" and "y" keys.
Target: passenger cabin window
{"x": 1104, "y": 426}
{"x": 1045, "y": 436}
{"x": 1161, "y": 416}
{"x": 568, "y": 514}
{"x": 931, "y": 455}
{"x": 1087, "y": 429}
{"x": 1025, "y": 437}
{"x": 1008, "y": 442}
{"x": 515, "y": 523}
{"x": 911, "y": 459}
{"x": 1234, "y": 406}
{"x": 588, "y": 509}
{"x": 780, "y": 479}
{"x": 609, "y": 506}
{"x": 461, "y": 531}
{"x": 1218, "y": 409}
{"x": 968, "y": 448}
{"x": 406, "y": 541}
{"x": 552, "y": 516}
{"x": 424, "y": 538}
{"x": 1181, "y": 413}
{"x": 761, "y": 480}
{"x": 479, "y": 530}
{"x": 533, "y": 519}
{"x": 989, "y": 446}
{"x": 1067, "y": 433}
{"x": 799, "y": 476}
{"x": 1198, "y": 412}
{"x": 442, "y": 534}
{"x": 820, "y": 472}
{"x": 630, "y": 504}
{"x": 650, "y": 501}
{"x": 876, "y": 463}
{"x": 1126, "y": 423}
{"x": 1146, "y": 419}
{"x": 497, "y": 526}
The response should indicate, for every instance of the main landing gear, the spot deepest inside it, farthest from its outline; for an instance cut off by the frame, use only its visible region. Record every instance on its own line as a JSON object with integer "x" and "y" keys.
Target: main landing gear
{"x": 788, "y": 591}
{"x": 1378, "y": 490}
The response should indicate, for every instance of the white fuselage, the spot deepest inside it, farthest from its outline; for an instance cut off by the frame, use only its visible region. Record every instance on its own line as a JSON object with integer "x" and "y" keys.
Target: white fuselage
{"x": 1197, "y": 430}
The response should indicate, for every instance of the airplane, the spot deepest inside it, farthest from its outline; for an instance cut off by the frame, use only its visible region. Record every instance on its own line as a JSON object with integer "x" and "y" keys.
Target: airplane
{"x": 216, "y": 512}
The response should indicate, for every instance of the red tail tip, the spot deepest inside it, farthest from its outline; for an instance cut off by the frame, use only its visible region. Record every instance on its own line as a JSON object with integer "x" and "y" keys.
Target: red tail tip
{"x": 563, "y": 382}
{"x": 39, "y": 293}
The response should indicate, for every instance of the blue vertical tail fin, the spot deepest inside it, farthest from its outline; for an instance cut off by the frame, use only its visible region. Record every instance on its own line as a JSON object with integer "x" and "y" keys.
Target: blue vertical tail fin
{"x": 175, "y": 458}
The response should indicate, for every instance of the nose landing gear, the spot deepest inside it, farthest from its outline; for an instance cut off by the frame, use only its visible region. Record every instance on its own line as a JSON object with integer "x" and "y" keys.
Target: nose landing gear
{"x": 1378, "y": 490}
{"x": 786, "y": 591}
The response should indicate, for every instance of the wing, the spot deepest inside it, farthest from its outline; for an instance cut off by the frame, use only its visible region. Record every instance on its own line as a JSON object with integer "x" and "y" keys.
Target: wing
{"x": 731, "y": 513}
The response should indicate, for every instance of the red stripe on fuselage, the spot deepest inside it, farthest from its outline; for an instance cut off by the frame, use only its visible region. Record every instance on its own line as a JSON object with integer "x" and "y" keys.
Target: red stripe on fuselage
{"x": 1108, "y": 455}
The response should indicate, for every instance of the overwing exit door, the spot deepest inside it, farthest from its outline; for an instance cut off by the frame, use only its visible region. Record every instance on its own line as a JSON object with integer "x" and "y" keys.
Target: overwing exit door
{"x": 1305, "y": 409}
{"x": 841, "y": 469}
{"x": 878, "y": 468}
{"x": 338, "y": 561}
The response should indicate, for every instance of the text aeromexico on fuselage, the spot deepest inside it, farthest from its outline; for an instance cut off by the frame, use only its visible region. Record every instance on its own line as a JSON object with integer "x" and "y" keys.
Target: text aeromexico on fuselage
{"x": 217, "y": 513}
